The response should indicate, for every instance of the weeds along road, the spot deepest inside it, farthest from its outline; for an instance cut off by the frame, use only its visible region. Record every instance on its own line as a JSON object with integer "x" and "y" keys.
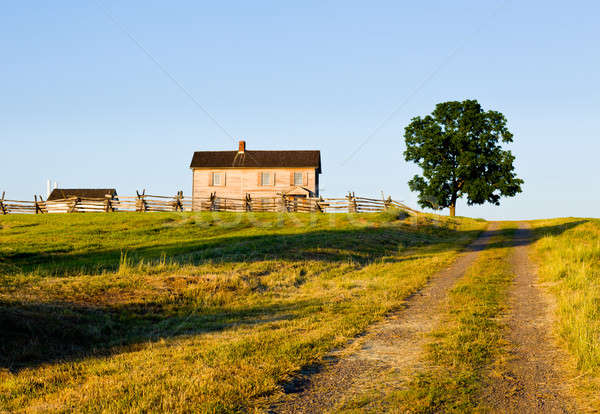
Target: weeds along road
{"x": 475, "y": 338}
{"x": 396, "y": 344}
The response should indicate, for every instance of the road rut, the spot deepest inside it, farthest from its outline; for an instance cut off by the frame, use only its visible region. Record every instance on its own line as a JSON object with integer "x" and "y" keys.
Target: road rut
{"x": 530, "y": 383}
{"x": 394, "y": 345}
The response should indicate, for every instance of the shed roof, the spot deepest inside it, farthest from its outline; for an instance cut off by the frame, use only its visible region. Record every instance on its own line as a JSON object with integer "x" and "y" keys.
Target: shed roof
{"x": 62, "y": 193}
{"x": 256, "y": 159}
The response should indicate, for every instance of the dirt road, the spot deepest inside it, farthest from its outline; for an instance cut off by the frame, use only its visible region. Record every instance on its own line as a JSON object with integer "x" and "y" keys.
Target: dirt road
{"x": 396, "y": 344}
{"x": 530, "y": 382}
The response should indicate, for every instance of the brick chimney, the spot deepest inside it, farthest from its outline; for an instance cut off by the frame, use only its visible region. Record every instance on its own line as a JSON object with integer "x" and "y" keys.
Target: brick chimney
{"x": 242, "y": 148}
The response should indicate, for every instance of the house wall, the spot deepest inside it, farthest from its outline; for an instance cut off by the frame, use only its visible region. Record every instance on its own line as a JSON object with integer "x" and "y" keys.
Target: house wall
{"x": 58, "y": 207}
{"x": 242, "y": 181}
{"x": 83, "y": 205}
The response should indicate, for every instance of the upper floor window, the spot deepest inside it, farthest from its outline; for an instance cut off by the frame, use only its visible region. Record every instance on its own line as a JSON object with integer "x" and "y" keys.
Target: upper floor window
{"x": 298, "y": 179}
{"x": 266, "y": 178}
{"x": 218, "y": 178}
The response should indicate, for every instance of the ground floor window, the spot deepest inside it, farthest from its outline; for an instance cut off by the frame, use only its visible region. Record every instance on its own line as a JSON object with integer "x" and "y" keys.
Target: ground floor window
{"x": 218, "y": 178}
{"x": 298, "y": 179}
{"x": 266, "y": 178}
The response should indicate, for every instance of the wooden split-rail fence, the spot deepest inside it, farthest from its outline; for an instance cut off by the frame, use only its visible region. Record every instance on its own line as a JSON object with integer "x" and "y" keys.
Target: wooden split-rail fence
{"x": 143, "y": 202}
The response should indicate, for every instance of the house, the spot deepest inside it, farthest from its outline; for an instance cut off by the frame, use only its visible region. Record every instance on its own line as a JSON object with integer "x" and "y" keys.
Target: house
{"x": 67, "y": 200}
{"x": 234, "y": 174}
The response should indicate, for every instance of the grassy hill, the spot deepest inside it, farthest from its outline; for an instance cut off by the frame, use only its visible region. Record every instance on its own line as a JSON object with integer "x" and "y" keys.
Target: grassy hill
{"x": 196, "y": 311}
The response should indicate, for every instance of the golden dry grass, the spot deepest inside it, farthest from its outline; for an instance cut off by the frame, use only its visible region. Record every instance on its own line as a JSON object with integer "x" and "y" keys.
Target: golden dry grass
{"x": 568, "y": 254}
{"x": 195, "y": 312}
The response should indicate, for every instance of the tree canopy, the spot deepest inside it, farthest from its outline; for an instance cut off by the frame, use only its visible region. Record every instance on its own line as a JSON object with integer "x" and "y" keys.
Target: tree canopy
{"x": 458, "y": 148}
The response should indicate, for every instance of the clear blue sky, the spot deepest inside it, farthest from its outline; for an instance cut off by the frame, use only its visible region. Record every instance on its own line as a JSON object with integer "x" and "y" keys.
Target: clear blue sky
{"x": 82, "y": 104}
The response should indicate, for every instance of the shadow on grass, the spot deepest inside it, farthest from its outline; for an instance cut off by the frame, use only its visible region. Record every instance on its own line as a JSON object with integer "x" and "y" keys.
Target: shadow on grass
{"x": 527, "y": 237}
{"x": 361, "y": 245}
{"x": 34, "y": 333}
{"x": 45, "y": 332}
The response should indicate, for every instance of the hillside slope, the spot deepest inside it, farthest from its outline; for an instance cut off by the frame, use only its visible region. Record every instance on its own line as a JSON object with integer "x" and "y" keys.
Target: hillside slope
{"x": 205, "y": 312}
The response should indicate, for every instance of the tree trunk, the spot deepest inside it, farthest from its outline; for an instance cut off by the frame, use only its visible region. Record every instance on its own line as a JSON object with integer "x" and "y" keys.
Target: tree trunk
{"x": 453, "y": 203}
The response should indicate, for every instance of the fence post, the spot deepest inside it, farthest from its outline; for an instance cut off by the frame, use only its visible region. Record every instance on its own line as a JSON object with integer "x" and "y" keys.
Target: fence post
{"x": 177, "y": 204}
{"x": 43, "y": 208}
{"x": 2, "y": 206}
{"x": 284, "y": 204}
{"x": 75, "y": 202}
{"x": 318, "y": 204}
{"x": 108, "y": 207}
{"x": 140, "y": 203}
{"x": 387, "y": 203}
{"x": 38, "y": 209}
{"x": 248, "y": 202}
{"x": 213, "y": 201}
{"x": 352, "y": 207}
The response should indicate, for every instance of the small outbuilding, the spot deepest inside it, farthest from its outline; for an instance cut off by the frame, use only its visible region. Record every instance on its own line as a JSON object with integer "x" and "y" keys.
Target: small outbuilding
{"x": 70, "y": 200}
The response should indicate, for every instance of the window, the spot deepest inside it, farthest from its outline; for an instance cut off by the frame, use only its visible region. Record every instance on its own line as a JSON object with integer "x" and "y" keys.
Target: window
{"x": 298, "y": 179}
{"x": 266, "y": 178}
{"x": 218, "y": 178}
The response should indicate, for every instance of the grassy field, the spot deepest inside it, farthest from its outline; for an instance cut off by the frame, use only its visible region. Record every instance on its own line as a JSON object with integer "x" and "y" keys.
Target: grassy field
{"x": 568, "y": 253}
{"x": 188, "y": 312}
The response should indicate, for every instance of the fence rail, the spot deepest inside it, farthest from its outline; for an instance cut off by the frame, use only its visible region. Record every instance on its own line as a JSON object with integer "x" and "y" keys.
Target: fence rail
{"x": 143, "y": 202}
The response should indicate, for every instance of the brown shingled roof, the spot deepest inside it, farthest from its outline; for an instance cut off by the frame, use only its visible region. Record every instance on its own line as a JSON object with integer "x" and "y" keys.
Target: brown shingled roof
{"x": 62, "y": 193}
{"x": 256, "y": 159}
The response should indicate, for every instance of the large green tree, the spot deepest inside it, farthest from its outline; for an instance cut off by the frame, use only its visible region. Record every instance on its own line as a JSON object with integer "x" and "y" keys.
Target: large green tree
{"x": 458, "y": 148}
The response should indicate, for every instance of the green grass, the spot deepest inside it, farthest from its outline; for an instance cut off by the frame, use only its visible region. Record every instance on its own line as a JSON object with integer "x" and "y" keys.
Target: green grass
{"x": 465, "y": 344}
{"x": 184, "y": 312}
{"x": 568, "y": 253}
